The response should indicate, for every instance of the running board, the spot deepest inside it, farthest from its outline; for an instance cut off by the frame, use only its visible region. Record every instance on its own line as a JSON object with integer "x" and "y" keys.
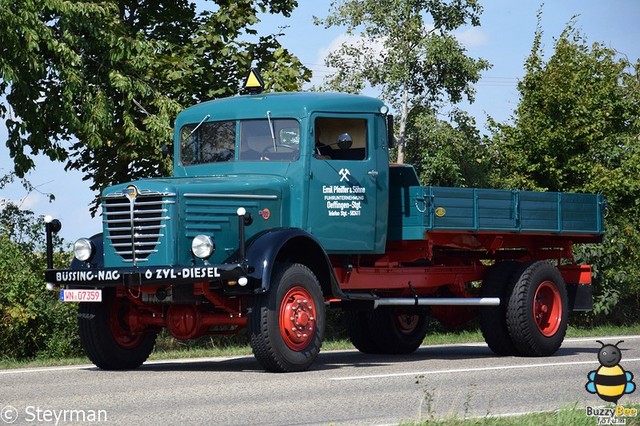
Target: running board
{"x": 437, "y": 301}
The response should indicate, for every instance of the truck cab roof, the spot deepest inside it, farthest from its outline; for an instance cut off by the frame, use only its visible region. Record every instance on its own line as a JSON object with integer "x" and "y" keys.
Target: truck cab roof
{"x": 290, "y": 105}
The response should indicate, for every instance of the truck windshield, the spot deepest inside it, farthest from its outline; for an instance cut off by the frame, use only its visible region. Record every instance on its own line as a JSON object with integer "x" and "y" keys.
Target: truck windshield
{"x": 244, "y": 140}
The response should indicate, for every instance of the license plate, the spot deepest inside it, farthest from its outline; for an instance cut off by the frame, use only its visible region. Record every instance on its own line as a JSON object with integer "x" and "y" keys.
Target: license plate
{"x": 80, "y": 295}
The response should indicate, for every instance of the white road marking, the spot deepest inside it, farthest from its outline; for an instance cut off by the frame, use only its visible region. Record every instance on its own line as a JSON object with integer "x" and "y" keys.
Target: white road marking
{"x": 44, "y": 369}
{"x": 469, "y": 370}
{"x": 91, "y": 366}
{"x": 605, "y": 339}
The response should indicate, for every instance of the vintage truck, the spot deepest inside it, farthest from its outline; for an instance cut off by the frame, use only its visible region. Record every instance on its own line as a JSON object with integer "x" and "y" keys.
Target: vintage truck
{"x": 282, "y": 205}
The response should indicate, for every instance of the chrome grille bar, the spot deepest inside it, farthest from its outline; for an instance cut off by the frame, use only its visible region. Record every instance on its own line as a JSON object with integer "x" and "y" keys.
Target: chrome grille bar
{"x": 133, "y": 224}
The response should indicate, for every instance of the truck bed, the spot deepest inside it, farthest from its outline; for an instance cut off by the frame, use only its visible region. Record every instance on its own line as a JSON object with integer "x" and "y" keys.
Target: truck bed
{"x": 415, "y": 211}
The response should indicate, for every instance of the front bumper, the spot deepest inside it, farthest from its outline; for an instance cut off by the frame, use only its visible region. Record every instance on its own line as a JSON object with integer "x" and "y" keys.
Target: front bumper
{"x": 141, "y": 276}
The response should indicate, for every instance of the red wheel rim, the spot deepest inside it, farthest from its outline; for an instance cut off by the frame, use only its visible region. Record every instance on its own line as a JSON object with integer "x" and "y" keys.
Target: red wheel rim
{"x": 297, "y": 318}
{"x": 547, "y": 308}
{"x": 118, "y": 317}
{"x": 406, "y": 322}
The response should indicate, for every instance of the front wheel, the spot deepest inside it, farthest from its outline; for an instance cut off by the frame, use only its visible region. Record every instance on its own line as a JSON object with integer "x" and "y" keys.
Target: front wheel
{"x": 537, "y": 312}
{"x": 287, "y": 323}
{"x": 106, "y": 337}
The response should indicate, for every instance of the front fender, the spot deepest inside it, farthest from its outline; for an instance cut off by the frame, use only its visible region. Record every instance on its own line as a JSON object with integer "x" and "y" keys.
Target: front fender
{"x": 294, "y": 245}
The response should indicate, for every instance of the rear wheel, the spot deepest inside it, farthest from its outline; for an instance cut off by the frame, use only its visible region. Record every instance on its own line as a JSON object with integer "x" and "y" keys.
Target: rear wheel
{"x": 537, "y": 313}
{"x": 493, "y": 321}
{"x": 106, "y": 337}
{"x": 398, "y": 330}
{"x": 287, "y": 323}
{"x": 358, "y": 326}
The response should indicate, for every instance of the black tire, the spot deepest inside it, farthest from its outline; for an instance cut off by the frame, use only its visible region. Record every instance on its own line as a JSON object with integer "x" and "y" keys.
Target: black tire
{"x": 493, "y": 319}
{"x": 287, "y": 323}
{"x": 358, "y": 326}
{"x": 538, "y": 311}
{"x": 398, "y": 330}
{"x": 105, "y": 337}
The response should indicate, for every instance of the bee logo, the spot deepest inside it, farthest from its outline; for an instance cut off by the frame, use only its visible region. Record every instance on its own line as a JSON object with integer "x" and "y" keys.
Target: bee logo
{"x": 610, "y": 381}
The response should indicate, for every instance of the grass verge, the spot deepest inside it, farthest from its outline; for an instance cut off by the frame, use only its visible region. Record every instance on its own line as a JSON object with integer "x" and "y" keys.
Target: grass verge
{"x": 569, "y": 416}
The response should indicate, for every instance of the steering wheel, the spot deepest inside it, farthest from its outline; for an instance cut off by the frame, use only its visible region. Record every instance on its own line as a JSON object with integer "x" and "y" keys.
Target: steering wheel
{"x": 271, "y": 149}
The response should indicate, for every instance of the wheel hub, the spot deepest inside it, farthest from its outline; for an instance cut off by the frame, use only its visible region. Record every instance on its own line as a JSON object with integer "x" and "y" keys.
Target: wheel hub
{"x": 119, "y": 322}
{"x": 547, "y": 308}
{"x": 407, "y": 322}
{"x": 297, "y": 318}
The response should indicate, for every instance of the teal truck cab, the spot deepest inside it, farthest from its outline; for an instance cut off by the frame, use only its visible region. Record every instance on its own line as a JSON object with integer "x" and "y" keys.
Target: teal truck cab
{"x": 284, "y": 204}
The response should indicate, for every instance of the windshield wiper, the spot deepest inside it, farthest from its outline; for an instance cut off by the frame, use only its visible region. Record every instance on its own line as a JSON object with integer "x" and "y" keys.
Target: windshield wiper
{"x": 273, "y": 134}
{"x": 206, "y": 117}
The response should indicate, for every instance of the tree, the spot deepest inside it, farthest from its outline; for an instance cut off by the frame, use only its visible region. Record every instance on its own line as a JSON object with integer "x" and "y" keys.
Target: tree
{"x": 577, "y": 128}
{"x": 447, "y": 152}
{"x": 97, "y": 84}
{"x": 416, "y": 64}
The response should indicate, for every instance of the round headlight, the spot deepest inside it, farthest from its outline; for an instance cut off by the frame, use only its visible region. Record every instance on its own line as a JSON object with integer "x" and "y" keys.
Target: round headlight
{"x": 202, "y": 246}
{"x": 83, "y": 249}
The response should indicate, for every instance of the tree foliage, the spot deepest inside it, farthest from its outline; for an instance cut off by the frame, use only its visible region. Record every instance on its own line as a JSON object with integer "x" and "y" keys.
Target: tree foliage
{"x": 407, "y": 49}
{"x": 98, "y": 84}
{"x": 447, "y": 152}
{"x": 577, "y": 128}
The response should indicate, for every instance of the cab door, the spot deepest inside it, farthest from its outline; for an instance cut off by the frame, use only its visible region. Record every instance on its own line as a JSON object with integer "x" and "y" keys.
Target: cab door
{"x": 343, "y": 188}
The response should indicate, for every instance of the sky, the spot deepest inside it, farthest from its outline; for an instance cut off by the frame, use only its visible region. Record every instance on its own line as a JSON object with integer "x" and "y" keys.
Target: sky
{"x": 504, "y": 39}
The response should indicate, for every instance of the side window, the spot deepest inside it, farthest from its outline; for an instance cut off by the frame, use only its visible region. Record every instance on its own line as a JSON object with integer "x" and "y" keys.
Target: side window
{"x": 340, "y": 138}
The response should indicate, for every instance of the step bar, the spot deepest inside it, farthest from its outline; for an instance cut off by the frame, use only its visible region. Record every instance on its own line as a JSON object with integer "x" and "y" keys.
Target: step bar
{"x": 437, "y": 301}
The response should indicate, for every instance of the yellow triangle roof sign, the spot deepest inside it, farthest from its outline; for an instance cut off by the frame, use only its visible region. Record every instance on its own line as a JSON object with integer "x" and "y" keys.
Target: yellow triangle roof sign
{"x": 254, "y": 83}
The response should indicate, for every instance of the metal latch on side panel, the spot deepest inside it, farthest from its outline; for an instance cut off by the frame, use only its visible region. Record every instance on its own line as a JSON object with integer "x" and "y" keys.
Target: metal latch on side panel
{"x": 420, "y": 203}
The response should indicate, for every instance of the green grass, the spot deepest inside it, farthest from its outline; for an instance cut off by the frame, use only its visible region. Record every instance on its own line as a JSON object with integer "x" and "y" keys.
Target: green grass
{"x": 6, "y": 364}
{"x": 169, "y": 348}
{"x": 569, "y": 416}
{"x": 230, "y": 350}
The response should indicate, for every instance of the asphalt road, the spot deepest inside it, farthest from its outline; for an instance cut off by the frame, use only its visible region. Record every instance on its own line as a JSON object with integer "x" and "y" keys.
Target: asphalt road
{"x": 343, "y": 387}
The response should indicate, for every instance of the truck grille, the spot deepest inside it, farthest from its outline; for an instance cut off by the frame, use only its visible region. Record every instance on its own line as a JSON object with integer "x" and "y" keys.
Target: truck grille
{"x": 135, "y": 222}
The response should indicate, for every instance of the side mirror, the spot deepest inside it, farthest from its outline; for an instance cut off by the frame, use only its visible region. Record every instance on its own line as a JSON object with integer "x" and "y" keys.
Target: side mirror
{"x": 166, "y": 151}
{"x": 391, "y": 139}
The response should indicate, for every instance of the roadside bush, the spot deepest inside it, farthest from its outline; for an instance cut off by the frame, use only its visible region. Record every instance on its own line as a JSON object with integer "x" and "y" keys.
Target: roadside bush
{"x": 32, "y": 322}
{"x": 616, "y": 282}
